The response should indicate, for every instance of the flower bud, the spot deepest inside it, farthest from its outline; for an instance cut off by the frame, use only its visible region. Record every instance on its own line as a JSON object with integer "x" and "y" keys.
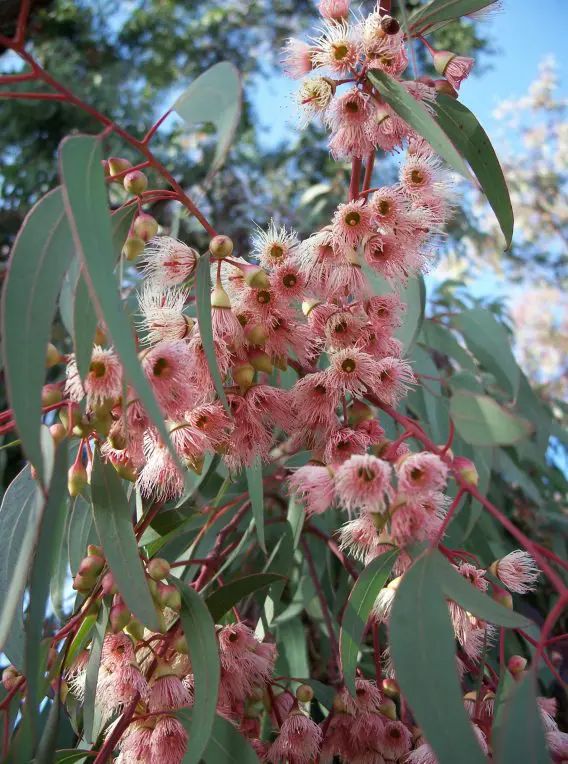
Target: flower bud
{"x": 51, "y": 394}
{"x": 243, "y": 375}
{"x": 135, "y": 182}
{"x": 388, "y": 709}
{"x": 145, "y": 226}
{"x": 126, "y": 471}
{"x": 158, "y": 568}
{"x": 503, "y": 598}
{"x": 169, "y": 596}
{"x": 304, "y": 693}
{"x": 76, "y": 479}
{"x": 94, "y": 550}
{"x": 180, "y": 645}
{"x": 108, "y": 585}
{"x": 445, "y": 87}
{"x": 10, "y": 676}
{"x": 391, "y": 688}
{"x": 119, "y": 615}
{"x": 260, "y": 360}
{"x": 255, "y": 276}
{"x": 102, "y": 423}
{"x": 91, "y": 566}
{"x": 441, "y": 59}
{"x": 359, "y": 412}
{"x": 118, "y": 164}
{"x": 309, "y": 305}
{"x": 466, "y": 470}
{"x": 52, "y": 356}
{"x": 58, "y": 432}
{"x": 133, "y": 246}
{"x": 135, "y": 628}
{"x": 256, "y": 334}
{"x": 83, "y": 583}
{"x": 516, "y": 664}
{"x": 220, "y": 298}
{"x": 221, "y": 246}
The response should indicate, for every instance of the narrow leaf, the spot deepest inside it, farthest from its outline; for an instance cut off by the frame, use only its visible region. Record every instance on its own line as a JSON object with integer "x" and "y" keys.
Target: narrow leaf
{"x": 40, "y": 256}
{"x": 418, "y": 117}
{"x": 199, "y": 631}
{"x": 203, "y": 307}
{"x": 423, "y": 649}
{"x": 356, "y": 615}
{"x": 226, "y": 744}
{"x": 520, "y": 735}
{"x": 116, "y": 533}
{"x": 81, "y": 533}
{"x": 92, "y": 674}
{"x": 256, "y": 494}
{"x": 214, "y": 97}
{"x": 471, "y": 140}
{"x": 221, "y": 601}
{"x": 481, "y": 421}
{"x": 437, "y": 13}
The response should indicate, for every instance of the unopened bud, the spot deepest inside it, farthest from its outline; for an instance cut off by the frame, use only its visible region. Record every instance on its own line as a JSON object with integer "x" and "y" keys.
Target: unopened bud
{"x": 119, "y": 615}
{"x": 52, "y": 356}
{"x": 359, "y": 412}
{"x": 135, "y": 628}
{"x": 304, "y": 693}
{"x": 135, "y": 182}
{"x": 108, "y": 584}
{"x": 441, "y": 59}
{"x": 158, "y": 568}
{"x": 388, "y": 708}
{"x": 243, "y": 375}
{"x": 503, "y": 598}
{"x": 10, "y": 676}
{"x": 76, "y": 479}
{"x": 102, "y": 423}
{"x": 516, "y": 664}
{"x": 220, "y": 298}
{"x": 339, "y": 705}
{"x": 221, "y": 246}
{"x": 465, "y": 468}
{"x": 260, "y": 360}
{"x": 391, "y": 688}
{"x": 94, "y": 550}
{"x": 445, "y": 87}
{"x": 133, "y": 247}
{"x": 51, "y": 394}
{"x": 118, "y": 164}
{"x": 91, "y": 566}
{"x": 180, "y": 645}
{"x": 145, "y": 226}
{"x": 126, "y": 471}
{"x": 83, "y": 584}
{"x": 169, "y": 596}
{"x": 256, "y": 334}
{"x": 255, "y": 276}
{"x": 58, "y": 432}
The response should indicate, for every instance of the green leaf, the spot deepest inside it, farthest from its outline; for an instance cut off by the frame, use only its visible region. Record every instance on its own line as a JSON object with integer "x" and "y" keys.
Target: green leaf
{"x": 422, "y": 645}
{"x": 199, "y": 631}
{"x": 472, "y": 142}
{"x": 85, "y": 198}
{"x": 481, "y": 421}
{"x": 440, "y": 338}
{"x": 489, "y": 343}
{"x": 413, "y": 295}
{"x": 356, "y": 615}
{"x": 214, "y": 97}
{"x": 92, "y": 674}
{"x": 48, "y": 741}
{"x": 44, "y": 559}
{"x": 256, "y": 494}
{"x": 417, "y": 116}
{"x": 81, "y": 638}
{"x": 116, "y": 533}
{"x": 82, "y": 532}
{"x": 58, "y": 583}
{"x": 40, "y": 256}
{"x": 520, "y": 735}
{"x": 192, "y": 480}
{"x": 20, "y": 516}
{"x": 221, "y": 601}
{"x": 458, "y": 589}
{"x": 70, "y": 756}
{"x": 203, "y": 307}
{"x": 226, "y": 744}
{"x": 437, "y": 13}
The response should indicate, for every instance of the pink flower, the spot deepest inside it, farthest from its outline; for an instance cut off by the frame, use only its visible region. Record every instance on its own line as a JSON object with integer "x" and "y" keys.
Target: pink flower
{"x": 168, "y": 693}
{"x": 421, "y": 473}
{"x": 359, "y": 537}
{"x": 420, "y": 176}
{"x": 385, "y": 129}
{"x": 117, "y": 649}
{"x": 394, "y": 378}
{"x": 454, "y": 68}
{"x": 343, "y": 443}
{"x": 167, "y": 366}
{"x": 393, "y": 257}
{"x": 314, "y": 486}
{"x": 299, "y": 740}
{"x": 347, "y": 117}
{"x": 518, "y": 571}
{"x": 297, "y": 58}
{"x": 103, "y": 381}
{"x": 168, "y": 261}
{"x": 136, "y": 742}
{"x": 334, "y": 10}
{"x": 384, "y": 311}
{"x": 352, "y": 371}
{"x": 160, "y": 477}
{"x": 395, "y": 740}
{"x": 169, "y": 741}
{"x": 162, "y": 313}
{"x": 387, "y": 204}
{"x": 336, "y": 48}
{"x": 211, "y": 420}
{"x": 271, "y": 405}
{"x": 315, "y": 400}
{"x": 343, "y": 329}
{"x": 288, "y": 281}
{"x": 363, "y": 482}
{"x": 275, "y": 245}
{"x": 351, "y": 223}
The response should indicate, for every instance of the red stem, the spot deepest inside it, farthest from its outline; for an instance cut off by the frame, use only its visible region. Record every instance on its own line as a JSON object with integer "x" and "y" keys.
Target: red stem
{"x": 32, "y": 96}
{"x": 355, "y": 176}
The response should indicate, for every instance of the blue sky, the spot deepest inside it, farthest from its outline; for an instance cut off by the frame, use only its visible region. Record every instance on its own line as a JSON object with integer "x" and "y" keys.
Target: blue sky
{"x": 524, "y": 32}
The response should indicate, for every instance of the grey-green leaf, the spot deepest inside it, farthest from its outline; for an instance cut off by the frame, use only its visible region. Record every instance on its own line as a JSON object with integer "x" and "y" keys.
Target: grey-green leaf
{"x": 417, "y": 116}
{"x": 256, "y": 494}
{"x": 482, "y": 421}
{"x": 437, "y": 13}
{"x": 471, "y": 140}
{"x": 113, "y": 521}
{"x": 361, "y": 600}
{"x": 215, "y": 98}
{"x": 222, "y": 600}
{"x": 520, "y": 735}
{"x": 40, "y": 256}
{"x": 199, "y": 631}
{"x": 423, "y": 649}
